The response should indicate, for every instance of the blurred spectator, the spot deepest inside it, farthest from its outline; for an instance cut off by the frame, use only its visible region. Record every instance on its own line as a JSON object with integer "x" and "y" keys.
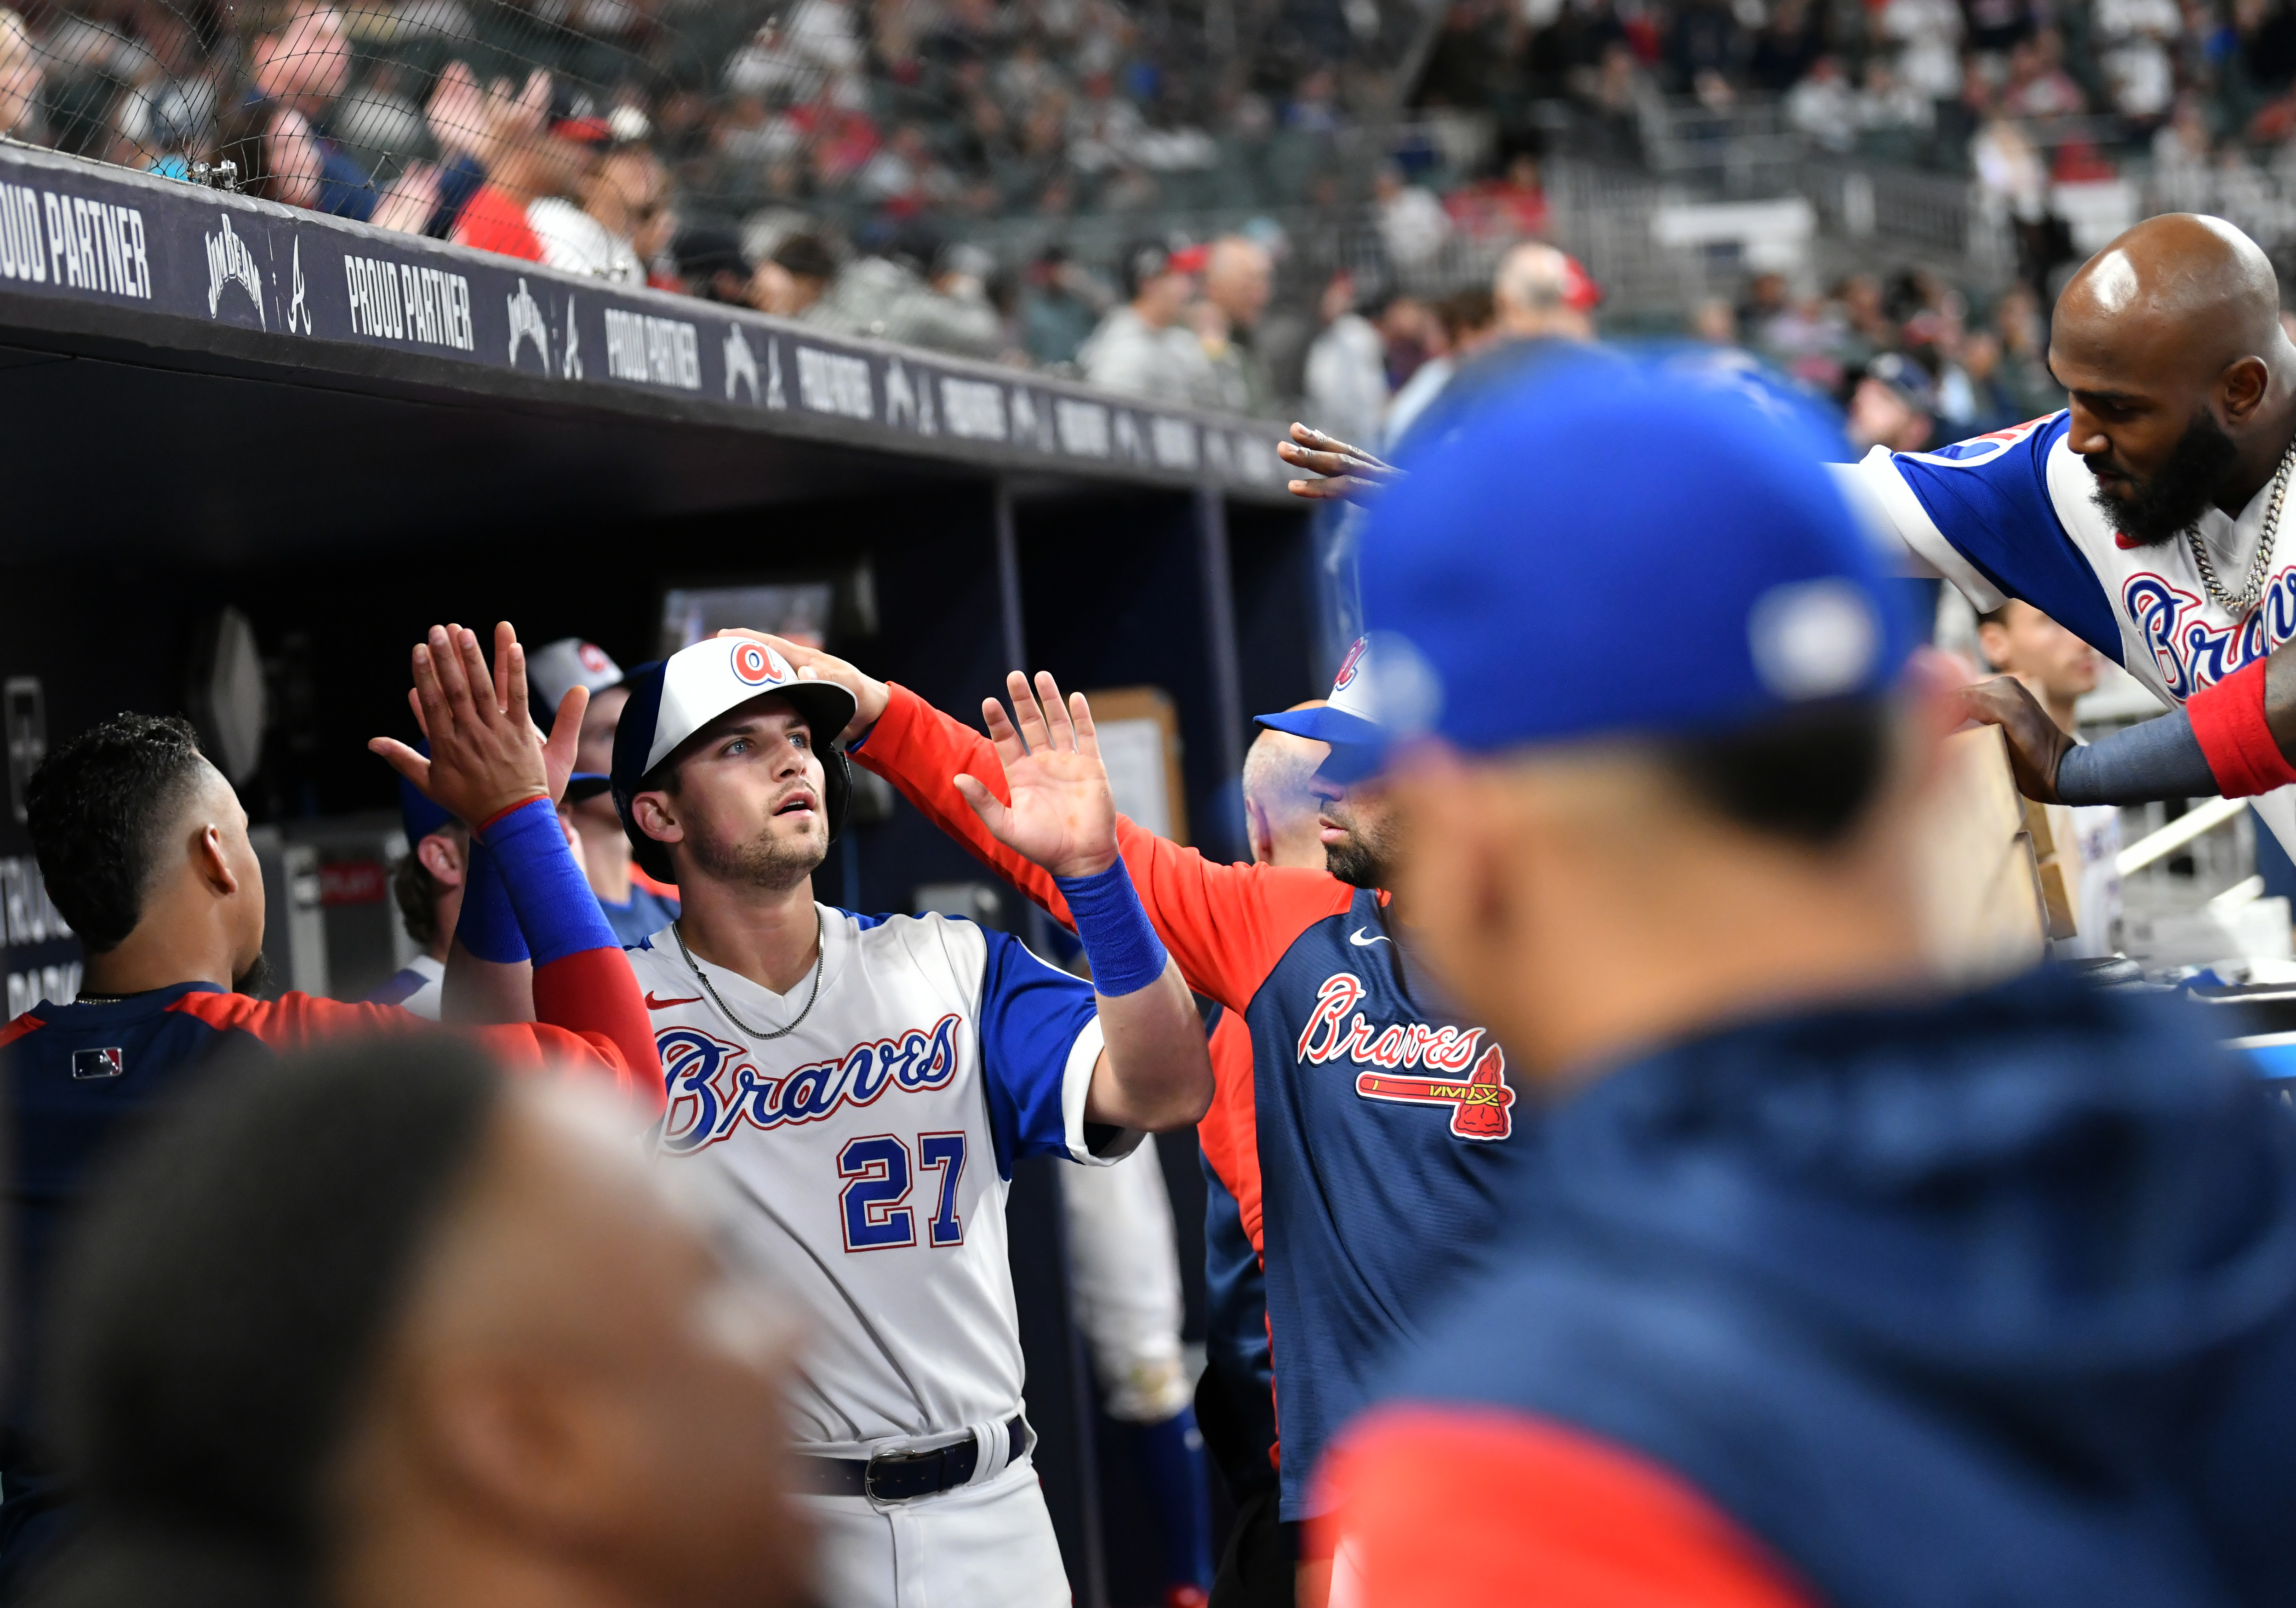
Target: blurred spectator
{"x": 798, "y": 274}
{"x": 1543, "y": 303}
{"x": 2132, "y": 40}
{"x": 1468, "y": 321}
{"x": 2180, "y": 158}
{"x": 1347, "y": 368}
{"x": 570, "y": 233}
{"x": 20, "y": 78}
{"x": 1714, "y": 321}
{"x": 278, "y": 136}
{"x": 709, "y": 263}
{"x": 522, "y": 161}
{"x": 1824, "y": 107}
{"x": 381, "y": 1327}
{"x": 1239, "y": 277}
{"x": 1511, "y": 205}
{"x": 1890, "y": 113}
{"x": 1409, "y": 334}
{"x": 2024, "y": 373}
{"x": 1144, "y": 348}
{"x": 1412, "y": 222}
{"x": 886, "y": 295}
{"x": 1927, "y": 36}
{"x": 1788, "y": 47}
{"x": 2039, "y": 85}
{"x": 1059, "y": 309}
{"x": 1894, "y": 405}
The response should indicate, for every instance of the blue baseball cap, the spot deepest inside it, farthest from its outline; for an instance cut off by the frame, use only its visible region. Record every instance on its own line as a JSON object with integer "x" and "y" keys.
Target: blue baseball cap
{"x": 1613, "y": 548}
{"x": 1347, "y": 719}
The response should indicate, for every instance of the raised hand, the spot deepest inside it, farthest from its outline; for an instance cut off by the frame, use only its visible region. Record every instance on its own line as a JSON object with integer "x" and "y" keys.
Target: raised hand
{"x": 870, "y": 695}
{"x": 2037, "y": 744}
{"x": 1348, "y": 473}
{"x": 1062, "y": 816}
{"x": 486, "y": 756}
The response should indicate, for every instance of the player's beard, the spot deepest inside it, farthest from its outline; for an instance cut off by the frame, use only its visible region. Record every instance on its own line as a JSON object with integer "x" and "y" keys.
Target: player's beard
{"x": 772, "y": 863}
{"x": 1364, "y": 857}
{"x": 2177, "y": 493}
{"x": 255, "y": 979}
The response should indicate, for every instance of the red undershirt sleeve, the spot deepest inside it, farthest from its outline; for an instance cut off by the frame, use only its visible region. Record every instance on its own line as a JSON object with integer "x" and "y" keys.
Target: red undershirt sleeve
{"x": 1226, "y": 925}
{"x": 1441, "y": 1506}
{"x": 2229, "y": 724}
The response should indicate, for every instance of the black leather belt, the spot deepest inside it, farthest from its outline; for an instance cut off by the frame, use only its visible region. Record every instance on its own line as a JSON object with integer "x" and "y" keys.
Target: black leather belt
{"x": 903, "y": 1476}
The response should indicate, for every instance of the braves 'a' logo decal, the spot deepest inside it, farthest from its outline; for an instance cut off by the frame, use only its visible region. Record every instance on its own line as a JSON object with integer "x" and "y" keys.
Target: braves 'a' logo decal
{"x": 715, "y": 1086}
{"x": 1336, "y": 1030}
{"x": 1349, "y": 665}
{"x": 2193, "y": 656}
{"x": 758, "y": 665}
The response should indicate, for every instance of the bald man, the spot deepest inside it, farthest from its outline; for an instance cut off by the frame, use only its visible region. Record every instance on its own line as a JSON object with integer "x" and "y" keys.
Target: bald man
{"x": 1279, "y": 809}
{"x": 379, "y": 1328}
{"x": 2145, "y": 518}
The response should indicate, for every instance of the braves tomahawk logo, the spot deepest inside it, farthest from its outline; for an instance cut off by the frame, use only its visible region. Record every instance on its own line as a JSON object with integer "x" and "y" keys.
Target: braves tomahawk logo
{"x": 714, "y": 1086}
{"x": 1336, "y": 1030}
{"x": 230, "y": 263}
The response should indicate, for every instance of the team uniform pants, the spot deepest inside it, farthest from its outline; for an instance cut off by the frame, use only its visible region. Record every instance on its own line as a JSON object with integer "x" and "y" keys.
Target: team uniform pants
{"x": 977, "y": 1547}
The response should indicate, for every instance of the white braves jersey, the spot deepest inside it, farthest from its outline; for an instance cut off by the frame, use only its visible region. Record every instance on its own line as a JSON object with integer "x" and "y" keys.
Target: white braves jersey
{"x": 2013, "y": 514}
{"x": 867, "y": 1154}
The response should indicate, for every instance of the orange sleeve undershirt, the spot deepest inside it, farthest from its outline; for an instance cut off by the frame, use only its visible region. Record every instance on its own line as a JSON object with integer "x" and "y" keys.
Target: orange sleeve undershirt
{"x": 1226, "y": 925}
{"x": 1438, "y": 1507}
{"x": 1229, "y": 1131}
{"x": 297, "y": 1020}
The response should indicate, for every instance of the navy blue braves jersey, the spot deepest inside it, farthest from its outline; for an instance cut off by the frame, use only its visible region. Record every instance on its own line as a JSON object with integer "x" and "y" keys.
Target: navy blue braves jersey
{"x": 1385, "y": 1127}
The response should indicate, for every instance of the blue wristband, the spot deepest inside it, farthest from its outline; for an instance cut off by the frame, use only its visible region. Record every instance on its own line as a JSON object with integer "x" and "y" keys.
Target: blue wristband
{"x": 1123, "y": 949}
{"x": 556, "y": 910}
{"x": 488, "y": 926}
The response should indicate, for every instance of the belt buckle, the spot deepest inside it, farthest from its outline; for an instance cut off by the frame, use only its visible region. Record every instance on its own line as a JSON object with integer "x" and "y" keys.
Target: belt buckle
{"x": 869, "y": 1474}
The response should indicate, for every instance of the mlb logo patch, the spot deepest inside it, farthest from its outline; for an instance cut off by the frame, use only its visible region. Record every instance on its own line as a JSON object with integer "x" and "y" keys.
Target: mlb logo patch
{"x": 96, "y": 1064}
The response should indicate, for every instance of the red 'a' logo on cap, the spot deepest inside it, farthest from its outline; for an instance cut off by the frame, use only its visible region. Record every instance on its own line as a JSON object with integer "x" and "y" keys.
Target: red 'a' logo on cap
{"x": 753, "y": 665}
{"x": 1349, "y": 665}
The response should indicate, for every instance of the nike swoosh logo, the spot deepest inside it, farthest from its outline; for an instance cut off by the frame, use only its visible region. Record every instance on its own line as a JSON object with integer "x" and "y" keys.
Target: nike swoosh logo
{"x": 1362, "y": 940}
{"x": 663, "y": 1005}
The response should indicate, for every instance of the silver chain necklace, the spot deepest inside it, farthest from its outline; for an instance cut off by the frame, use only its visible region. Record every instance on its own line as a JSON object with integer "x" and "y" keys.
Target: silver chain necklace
{"x": 2260, "y": 569}
{"x": 820, "y": 959}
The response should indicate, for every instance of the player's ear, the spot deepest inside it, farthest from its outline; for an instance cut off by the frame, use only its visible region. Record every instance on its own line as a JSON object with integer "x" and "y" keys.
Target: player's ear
{"x": 656, "y": 814}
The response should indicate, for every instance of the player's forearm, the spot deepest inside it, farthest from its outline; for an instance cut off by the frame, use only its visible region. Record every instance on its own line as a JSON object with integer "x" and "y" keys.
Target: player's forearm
{"x": 1155, "y": 1071}
{"x": 2222, "y": 742}
{"x": 489, "y": 972}
{"x": 582, "y": 981}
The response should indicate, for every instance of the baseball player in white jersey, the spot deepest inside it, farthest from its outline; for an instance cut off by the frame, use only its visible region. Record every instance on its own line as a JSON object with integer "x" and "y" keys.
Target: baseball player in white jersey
{"x": 861, "y": 1088}
{"x": 2146, "y": 519}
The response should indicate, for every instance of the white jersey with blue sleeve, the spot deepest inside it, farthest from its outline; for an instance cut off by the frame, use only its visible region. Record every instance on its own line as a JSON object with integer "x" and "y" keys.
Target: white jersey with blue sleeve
{"x": 2013, "y": 514}
{"x": 866, "y": 1155}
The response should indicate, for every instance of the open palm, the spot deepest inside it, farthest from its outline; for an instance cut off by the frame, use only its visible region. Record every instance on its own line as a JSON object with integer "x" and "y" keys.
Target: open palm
{"x": 1061, "y": 815}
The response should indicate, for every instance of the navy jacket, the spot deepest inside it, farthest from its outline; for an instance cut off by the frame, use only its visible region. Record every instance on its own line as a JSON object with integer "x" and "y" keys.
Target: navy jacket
{"x": 1986, "y": 1301}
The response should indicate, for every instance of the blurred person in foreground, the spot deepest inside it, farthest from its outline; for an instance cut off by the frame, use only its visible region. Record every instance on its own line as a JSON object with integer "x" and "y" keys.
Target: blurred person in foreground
{"x": 381, "y": 1327}
{"x": 144, "y": 847}
{"x": 1827, "y": 1286}
{"x": 1544, "y": 307}
{"x": 2058, "y": 668}
{"x": 635, "y": 905}
{"x": 1144, "y": 347}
